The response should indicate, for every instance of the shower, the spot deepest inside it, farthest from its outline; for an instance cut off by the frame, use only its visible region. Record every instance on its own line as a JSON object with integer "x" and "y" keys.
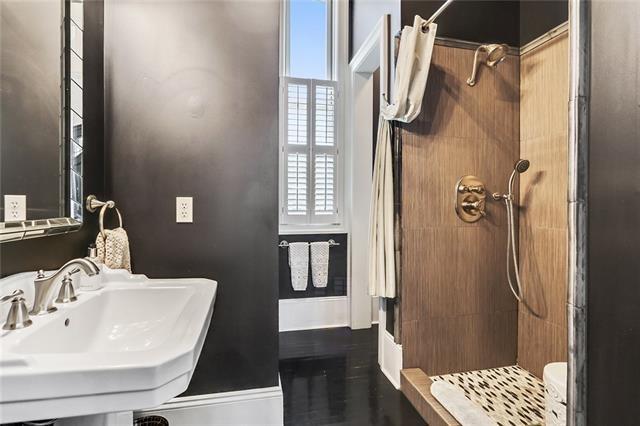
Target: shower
{"x": 494, "y": 54}
{"x": 521, "y": 166}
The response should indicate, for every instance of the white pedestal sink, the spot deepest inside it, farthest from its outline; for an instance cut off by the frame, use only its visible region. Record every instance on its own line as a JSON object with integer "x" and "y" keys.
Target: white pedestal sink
{"x": 130, "y": 345}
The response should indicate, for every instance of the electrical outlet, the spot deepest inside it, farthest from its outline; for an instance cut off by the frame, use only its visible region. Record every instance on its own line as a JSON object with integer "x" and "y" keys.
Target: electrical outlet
{"x": 15, "y": 207}
{"x": 184, "y": 209}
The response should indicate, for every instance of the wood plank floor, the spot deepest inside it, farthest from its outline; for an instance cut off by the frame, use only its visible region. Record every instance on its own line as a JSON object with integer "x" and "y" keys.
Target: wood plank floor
{"x": 332, "y": 377}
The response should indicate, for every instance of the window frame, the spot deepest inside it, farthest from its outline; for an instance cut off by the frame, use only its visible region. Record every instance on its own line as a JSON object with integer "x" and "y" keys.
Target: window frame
{"x": 310, "y": 222}
{"x": 285, "y": 47}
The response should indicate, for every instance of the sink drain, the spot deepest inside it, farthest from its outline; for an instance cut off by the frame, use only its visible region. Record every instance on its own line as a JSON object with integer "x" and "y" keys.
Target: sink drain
{"x": 151, "y": 421}
{"x": 66, "y": 322}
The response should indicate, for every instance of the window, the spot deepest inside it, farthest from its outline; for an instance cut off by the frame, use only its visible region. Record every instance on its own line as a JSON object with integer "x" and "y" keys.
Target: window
{"x": 310, "y": 163}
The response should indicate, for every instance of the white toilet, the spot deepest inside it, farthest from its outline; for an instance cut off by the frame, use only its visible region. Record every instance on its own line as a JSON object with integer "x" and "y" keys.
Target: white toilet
{"x": 554, "y": 377}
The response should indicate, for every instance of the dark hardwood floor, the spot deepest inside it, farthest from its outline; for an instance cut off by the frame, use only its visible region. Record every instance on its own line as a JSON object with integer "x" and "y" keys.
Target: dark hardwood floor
{"x": 332, "y": 377}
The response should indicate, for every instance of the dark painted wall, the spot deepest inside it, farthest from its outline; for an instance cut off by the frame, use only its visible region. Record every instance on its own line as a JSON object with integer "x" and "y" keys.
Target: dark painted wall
{"x": 337, "y": 282}
{"x": 51, "y": 252}
{"x": 613, "y": 309}
{"x": 30, "y": 46}
{"x": 503, "y": 21}
{"x": 191, "y": 109}
{"x": 538, "y": 17}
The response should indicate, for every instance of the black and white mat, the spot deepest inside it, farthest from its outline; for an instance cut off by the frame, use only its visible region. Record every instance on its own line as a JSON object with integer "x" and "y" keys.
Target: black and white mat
{"x": 509, "y": 395}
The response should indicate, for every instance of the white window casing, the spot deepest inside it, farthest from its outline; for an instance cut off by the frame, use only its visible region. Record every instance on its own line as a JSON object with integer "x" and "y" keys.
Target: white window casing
{"x": 310, "y": 193}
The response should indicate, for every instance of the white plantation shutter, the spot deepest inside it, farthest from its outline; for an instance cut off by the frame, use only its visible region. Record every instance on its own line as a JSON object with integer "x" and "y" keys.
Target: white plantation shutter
{"x": 324, "y": 184}
{"x": 297, "y": 184}
{"x": 309, "y": 192}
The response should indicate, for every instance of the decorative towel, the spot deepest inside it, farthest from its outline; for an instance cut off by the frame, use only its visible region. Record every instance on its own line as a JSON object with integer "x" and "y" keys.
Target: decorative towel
{"x": 113, "y": 249}
{"x": 412, "y": 70}
{"x": 299, "y": 265}
{"x": 320, "y": 263}
{"x": 465, "y": 411}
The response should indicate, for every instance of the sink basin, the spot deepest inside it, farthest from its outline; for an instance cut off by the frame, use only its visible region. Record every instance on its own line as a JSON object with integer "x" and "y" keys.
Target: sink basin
{"x": 133, "y": 344}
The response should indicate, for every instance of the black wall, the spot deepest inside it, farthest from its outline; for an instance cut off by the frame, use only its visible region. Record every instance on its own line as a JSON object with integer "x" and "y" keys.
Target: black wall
{"x": 192, "y": 110}
{"x": 613, "y": 306}
{"x": 30, "y": 105}
{"x": 477, "y": 20}
{"x": 51, "y": 252}
{"x": 337, "y": 282}
{"x": 538, "y": 17}
{"x": 502, "y": 21}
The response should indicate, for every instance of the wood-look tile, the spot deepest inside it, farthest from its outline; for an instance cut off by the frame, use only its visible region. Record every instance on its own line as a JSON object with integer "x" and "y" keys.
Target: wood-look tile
{"x": 543, "y": 272}
{"x": 544, "y": 89}
{"x": 539, "y": 343}
{"x": 543, "y": 188}
{"x": 542, "y": 320}
{"x": 470, "y": 342}
{"x": 451, "y": 108}
{"x": 457, "y": 310}
{"x": 416, "y": 386}
{"x": 410, "y": 347}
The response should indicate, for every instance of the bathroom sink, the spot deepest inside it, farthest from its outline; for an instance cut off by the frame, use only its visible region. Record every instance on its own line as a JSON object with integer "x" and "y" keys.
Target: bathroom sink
{"x": 133, "y": 344}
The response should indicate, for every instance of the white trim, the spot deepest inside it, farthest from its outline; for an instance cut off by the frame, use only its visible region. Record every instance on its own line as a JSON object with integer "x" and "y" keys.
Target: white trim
{"x": 314, "y": 312}
{"x": 389, "y": 352}
{"x": 311, "y": 229}
{"x": 359, "y": 152}
{"x": 263, "y": 406}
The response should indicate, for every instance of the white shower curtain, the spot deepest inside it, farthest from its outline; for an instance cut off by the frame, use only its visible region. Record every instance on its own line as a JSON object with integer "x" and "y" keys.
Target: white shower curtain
{"x": 414, "y": 59}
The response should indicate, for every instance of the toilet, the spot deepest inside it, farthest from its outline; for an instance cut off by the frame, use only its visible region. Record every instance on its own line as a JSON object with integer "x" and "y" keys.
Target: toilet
{"x": 554, "y": 377}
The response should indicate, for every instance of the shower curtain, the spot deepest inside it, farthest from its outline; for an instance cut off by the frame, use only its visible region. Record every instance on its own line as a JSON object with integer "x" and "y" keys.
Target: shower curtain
{"x": 412, "y": 69}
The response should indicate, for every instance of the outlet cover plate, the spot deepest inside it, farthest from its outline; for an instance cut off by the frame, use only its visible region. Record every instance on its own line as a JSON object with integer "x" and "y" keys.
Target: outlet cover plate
{"x": 15, "y": 208}
{"x": 184, "y": 209}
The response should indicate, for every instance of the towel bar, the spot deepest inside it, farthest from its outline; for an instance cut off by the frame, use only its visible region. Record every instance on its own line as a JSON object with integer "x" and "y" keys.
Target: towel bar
{"x": 285, "y": 243}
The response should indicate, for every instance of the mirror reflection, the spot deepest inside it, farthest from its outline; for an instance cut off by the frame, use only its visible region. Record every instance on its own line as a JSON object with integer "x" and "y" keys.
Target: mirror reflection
{"x": 41, "y": 125}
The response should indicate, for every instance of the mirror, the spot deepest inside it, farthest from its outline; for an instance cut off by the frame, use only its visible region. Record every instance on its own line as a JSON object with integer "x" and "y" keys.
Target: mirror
{"x": 41, "y": 127}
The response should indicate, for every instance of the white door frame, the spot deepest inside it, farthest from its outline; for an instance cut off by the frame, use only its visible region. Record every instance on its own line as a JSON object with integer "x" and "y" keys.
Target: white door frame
{"x": 373, "y": 54}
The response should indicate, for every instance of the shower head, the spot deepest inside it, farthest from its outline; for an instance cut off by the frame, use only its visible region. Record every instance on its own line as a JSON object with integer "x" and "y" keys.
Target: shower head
{"x": 494, "y": 54}
{"x": 521, "y": 166}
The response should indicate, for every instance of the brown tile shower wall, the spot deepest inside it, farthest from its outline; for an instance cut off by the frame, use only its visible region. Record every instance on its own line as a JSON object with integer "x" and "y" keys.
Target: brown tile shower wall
{"x": 544, "y": 93}
{"x": 454, "y": 287}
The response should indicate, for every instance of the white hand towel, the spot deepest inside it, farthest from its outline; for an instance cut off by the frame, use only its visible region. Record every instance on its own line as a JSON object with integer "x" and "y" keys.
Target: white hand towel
{"x": 320, "y": 263}
{"x": 113, "y": 249}
{"x": 461, "y": 408}
{"x": 299, "y": 265}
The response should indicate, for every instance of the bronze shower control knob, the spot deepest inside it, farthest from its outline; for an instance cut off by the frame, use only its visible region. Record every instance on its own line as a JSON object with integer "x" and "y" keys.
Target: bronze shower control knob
{"x": 470, "y": 195}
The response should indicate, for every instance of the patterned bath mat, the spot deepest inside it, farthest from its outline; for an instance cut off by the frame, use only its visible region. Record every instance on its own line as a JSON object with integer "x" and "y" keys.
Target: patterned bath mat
{"x": 510, "y": 395}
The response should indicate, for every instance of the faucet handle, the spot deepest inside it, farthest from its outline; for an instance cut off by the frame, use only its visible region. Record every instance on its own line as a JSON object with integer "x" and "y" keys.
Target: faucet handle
{"x": 14, "y": 294}
{"x": 18, "y": 316}
{"x": 67, "y": 293}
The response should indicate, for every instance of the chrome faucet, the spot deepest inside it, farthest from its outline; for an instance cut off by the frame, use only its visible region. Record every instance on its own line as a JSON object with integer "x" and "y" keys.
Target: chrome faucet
{"x": 42, "y": 303}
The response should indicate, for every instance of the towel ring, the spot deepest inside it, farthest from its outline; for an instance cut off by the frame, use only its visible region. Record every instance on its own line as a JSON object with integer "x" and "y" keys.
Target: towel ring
{"x": 111, "y": 205}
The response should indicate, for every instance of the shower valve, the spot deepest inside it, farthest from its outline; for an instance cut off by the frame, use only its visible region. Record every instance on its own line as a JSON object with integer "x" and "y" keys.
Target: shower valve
{"x": 470, "y": 199}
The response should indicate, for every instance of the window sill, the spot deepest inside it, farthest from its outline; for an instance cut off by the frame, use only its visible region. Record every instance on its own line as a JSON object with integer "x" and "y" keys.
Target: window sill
{"x": 311, "y": 229}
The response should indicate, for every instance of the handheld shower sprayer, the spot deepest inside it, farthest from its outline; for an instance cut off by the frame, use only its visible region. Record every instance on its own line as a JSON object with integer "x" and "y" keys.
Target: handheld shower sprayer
{"x": 521, "y": 166}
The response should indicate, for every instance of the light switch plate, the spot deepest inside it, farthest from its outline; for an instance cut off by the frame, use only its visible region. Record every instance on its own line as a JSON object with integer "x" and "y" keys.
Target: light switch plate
{"x": 184, "y": 209}
{"x": 15, "y": 208}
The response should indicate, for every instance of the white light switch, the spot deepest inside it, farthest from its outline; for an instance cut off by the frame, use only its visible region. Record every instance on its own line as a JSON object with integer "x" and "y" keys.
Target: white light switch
{"x": 15, "y": 207}
{"x": 184, "y": 209}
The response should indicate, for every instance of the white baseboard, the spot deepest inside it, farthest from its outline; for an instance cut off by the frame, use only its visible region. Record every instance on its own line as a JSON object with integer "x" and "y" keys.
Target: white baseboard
{"x": 314, "y": 312}
{"x": 390, "y": 358}
{"x": 262, "y": 406}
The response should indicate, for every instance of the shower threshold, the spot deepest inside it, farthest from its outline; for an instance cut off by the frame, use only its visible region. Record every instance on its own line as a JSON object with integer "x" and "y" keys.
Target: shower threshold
{"x": 510, "y": 395}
